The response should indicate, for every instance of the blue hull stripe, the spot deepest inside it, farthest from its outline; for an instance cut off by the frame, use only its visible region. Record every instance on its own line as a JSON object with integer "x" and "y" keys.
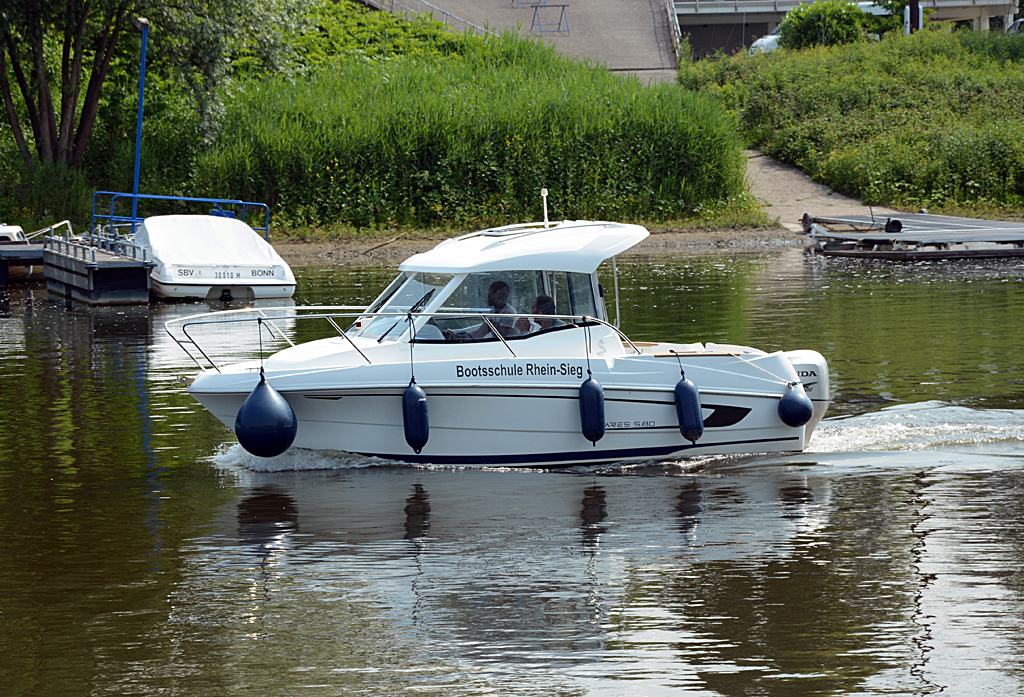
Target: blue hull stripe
{"x": 562, "y": 458}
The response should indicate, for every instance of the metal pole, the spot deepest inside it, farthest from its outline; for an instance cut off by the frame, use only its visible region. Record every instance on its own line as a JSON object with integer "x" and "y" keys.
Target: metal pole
{"x": 143, "y": 24}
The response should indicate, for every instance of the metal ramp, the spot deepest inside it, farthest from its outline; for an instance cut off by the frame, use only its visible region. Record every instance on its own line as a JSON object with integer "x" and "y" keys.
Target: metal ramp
{"x": 914, "y": 236}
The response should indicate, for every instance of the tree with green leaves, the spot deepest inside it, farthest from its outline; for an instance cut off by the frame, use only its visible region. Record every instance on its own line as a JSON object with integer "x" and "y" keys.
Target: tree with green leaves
{"x": 56, "y": 55}
{"x": 34, "y": 35}
{"x": 823, "y": 23}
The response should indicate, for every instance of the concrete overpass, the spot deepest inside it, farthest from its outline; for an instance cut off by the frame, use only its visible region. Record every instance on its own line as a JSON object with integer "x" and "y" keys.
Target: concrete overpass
{"x": 640, "y": 37}
{"x": 732, "y": 25}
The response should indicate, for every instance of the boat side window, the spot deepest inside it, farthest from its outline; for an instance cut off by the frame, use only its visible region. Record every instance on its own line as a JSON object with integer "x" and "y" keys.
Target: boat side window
{"x": 519, "y": 294}
{"x": 557, "y": 288}
{"x": 412, "y": 295}
{"x": 581, "y": 294}
{"x": 501, "y": 296}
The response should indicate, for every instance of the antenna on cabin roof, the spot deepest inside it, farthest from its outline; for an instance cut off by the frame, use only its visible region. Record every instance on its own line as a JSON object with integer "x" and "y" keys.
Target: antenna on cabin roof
{"x": 544, "y": 193}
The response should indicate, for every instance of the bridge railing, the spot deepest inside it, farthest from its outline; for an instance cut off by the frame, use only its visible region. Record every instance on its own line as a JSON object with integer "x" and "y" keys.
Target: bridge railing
{"x": 691, "y": 7}
{"x": 421, "y": 7}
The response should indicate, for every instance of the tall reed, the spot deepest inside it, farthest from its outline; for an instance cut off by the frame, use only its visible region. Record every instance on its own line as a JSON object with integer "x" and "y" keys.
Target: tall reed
{"x": 471, "y": 139}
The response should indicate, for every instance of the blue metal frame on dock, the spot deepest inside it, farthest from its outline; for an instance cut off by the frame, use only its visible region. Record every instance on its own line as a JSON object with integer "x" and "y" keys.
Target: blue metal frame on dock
{"x": 113, "y": 220}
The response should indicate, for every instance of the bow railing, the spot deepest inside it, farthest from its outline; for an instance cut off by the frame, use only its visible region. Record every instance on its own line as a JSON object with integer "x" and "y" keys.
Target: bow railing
{"x": 185, "y": 331}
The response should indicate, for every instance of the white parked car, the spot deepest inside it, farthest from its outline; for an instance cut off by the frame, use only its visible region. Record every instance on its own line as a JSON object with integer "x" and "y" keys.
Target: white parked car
{"x": 767, "y": 43}
{"x": 1016, "y": 28}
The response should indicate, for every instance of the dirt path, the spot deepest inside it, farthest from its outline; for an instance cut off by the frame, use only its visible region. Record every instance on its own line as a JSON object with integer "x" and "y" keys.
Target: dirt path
{"x": 784, "y": 192}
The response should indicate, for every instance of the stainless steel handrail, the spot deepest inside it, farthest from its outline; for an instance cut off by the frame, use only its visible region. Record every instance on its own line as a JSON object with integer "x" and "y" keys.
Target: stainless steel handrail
{"x": 331, "y": 314}
{"x": 86, "y": 248}
{"x": 396, "y": 6}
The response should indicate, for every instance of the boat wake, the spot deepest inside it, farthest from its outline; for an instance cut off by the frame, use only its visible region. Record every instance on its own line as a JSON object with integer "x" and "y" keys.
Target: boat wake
{"x": 920, "y": 426}
{"x": 233, "y": 457}
{"x": 905, "y": 427}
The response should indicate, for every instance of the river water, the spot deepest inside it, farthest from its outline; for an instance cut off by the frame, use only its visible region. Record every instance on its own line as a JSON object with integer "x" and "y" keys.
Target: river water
{"x": 143, "y": 554}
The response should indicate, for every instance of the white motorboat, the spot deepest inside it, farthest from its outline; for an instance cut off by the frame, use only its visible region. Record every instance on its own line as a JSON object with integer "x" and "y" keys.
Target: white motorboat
{"x": 495, "y": 348}
{"x": 12, "y": 234}
{"x": 211, "y": 257}
{"x": 13, "y": 237}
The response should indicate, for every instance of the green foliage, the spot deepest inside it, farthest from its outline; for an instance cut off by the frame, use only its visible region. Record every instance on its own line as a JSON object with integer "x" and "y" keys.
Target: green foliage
{"x": 470, "y": 139}
{"x": 933, "y": 120}
{"x": 188, "y": 73}
{"x": 823, "y": 23}
{"x": 349, "y": 117}
{"x": 42, "y": 195}
{"x": 335, "y": 32}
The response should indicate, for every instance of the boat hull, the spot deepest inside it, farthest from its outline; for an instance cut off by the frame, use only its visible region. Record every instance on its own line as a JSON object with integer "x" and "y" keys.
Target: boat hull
{"x": 208, "y": 291}
{"x": 507, "y": 421}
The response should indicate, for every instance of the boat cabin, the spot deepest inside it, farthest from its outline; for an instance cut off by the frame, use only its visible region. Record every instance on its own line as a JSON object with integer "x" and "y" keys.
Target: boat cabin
{"x": 12, "y": 234}
{"x": 501, "y": 284}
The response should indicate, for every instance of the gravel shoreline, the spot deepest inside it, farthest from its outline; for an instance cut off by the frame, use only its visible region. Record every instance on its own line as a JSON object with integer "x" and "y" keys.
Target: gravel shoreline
{"x": 784, "y": 193}
{"x": 667, "y": 243}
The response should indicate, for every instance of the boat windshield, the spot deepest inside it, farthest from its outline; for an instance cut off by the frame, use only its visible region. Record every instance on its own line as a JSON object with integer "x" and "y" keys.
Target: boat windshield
{"x": 410, "y": 292}
{"x": 506, "y": 296}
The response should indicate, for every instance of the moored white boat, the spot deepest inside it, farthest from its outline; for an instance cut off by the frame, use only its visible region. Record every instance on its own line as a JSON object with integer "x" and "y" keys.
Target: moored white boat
{"x": 495, "y": 348}
{"x": 212, "y": 257}
{"x": 14, "y": 236}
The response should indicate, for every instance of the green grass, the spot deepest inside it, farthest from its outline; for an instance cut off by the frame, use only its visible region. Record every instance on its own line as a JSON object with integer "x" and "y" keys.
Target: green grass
{"x": 471, "y": 139}
{"x": 935, "y": 120}
{"x": 378, "y": 123}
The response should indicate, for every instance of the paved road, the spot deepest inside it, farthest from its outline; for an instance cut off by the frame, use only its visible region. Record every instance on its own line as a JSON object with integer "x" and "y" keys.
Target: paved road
{"x": 628, "y": 36}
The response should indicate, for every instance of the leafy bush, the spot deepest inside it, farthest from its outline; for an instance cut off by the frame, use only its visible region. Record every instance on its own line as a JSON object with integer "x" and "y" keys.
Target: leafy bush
{"x": 823, "y": 23}
{"x": 374, "y": 120}
{"x": 932, "y": 120}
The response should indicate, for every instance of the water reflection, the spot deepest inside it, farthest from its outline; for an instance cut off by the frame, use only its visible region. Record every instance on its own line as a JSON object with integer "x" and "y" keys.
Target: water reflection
{"x": 885, "y": 560}
{"x": 689, "y": 506}
{"x": 796, "y": 499}
{"x": 595, "y": 510}
{"x": 417, "y": 513}
{"x": 266, "y": 517}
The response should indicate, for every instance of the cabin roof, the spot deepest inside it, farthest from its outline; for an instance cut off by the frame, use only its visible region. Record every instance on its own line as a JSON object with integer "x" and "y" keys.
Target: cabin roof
{"x": 577, "y": 246}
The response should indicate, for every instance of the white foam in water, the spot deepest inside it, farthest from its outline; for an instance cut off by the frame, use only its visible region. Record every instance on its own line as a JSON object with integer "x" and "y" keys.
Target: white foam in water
{"x": 235, "y": 457}
{"x": 919, "y": 426}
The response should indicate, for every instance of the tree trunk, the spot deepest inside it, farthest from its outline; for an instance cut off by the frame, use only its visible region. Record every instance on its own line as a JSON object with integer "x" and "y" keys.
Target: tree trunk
{"x": 45, "y": 131}
{"x": 12, "y": 115}
{"x": 19, "y": 76}
{"x": 112, "y": 26}
{"x": 57, "y": 139}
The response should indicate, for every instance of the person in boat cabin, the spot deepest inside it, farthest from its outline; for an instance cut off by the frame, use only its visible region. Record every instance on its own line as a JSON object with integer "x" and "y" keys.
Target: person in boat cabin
{"x": 504, "y": 318}
{"x": 497, "y": 298}
{"x": 543, "y": 305}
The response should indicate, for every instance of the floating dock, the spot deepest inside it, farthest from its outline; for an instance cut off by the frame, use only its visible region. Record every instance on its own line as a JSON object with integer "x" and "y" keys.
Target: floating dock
{"x": 112, "y": 266}
{"x": 93, "y": 270}
{"x": 102, "y": 272}
{"x": 914, "y": 236}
